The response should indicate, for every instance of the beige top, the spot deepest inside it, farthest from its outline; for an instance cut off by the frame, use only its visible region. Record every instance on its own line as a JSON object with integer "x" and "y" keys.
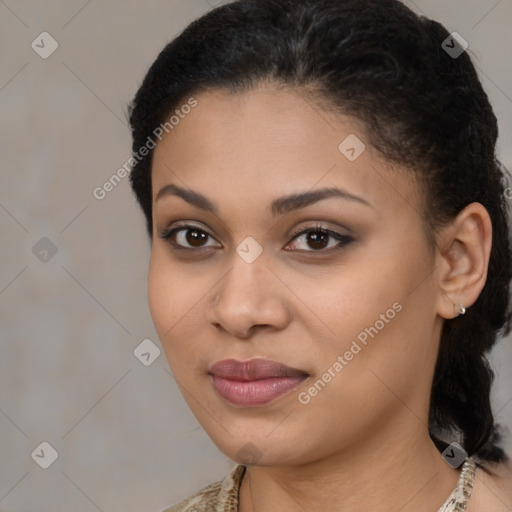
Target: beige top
{"x": 222, "y": 496}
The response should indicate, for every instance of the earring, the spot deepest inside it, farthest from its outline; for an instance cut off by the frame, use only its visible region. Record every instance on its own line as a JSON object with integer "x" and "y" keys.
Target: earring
{"x": 460, "y": 310}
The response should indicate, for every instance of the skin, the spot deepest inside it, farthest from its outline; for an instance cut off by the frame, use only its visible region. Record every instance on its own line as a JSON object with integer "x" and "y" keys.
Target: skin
{"x": 366, "y": 431}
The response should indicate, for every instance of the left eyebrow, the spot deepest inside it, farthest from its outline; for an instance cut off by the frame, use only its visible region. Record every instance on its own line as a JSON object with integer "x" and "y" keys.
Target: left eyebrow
{"x": 296, "y": 201}
{"x": 278, "y": 206}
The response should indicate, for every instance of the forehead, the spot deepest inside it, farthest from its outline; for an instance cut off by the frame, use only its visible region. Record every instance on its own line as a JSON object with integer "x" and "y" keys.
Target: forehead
{"x": 265, "y": 142}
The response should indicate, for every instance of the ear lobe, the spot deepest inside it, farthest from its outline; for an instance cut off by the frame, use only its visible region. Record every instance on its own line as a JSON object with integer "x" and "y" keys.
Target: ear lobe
{"x": 463, "y": 251}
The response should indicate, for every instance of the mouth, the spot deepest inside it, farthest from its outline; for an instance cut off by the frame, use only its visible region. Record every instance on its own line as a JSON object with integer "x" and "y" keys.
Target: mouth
{"x": 255, "y": 382}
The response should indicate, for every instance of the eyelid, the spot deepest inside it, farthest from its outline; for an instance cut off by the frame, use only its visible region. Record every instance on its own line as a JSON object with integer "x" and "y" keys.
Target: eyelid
{"x": 318, "y": 225}
{"x": 342, "y": 239}
{"x": 167, "y": 233}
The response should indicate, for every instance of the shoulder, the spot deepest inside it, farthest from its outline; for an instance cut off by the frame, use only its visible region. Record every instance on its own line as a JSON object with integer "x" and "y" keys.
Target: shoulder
{"x": 202, "y": 501}
{"x": 223, "y": 492}
{"x": 492, "y": 492}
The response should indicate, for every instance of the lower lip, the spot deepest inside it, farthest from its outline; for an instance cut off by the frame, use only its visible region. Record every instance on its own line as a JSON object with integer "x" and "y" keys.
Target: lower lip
{"x": 255, "y": 392}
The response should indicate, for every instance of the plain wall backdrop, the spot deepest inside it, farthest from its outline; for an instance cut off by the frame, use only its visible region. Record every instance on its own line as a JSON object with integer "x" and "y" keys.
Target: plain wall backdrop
{"x": 73, "y": 298}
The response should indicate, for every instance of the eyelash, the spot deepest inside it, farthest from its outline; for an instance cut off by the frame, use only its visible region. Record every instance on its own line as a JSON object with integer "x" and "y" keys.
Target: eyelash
{"x": 343, "y": 240}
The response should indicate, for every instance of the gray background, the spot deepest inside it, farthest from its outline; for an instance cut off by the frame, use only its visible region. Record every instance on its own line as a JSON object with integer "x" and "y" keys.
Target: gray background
{"x": 70, "y": 323}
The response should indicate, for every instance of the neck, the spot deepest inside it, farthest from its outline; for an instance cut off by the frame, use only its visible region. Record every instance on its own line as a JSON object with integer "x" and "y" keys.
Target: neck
{"x": 388, "y": 472}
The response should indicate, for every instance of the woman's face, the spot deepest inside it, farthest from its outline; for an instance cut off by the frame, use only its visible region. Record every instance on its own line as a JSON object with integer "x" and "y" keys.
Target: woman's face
{"x": 352, "y": 311}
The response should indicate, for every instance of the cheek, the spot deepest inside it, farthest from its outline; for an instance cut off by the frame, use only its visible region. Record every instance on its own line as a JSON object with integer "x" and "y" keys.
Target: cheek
{"x": 353, "y": 298}
{"x": 376, "y": 314}
{"x": 176, "y": 307}
{"x": 161, "y": 299}
{"x": 171, "y": 293}
{"x": 389, "y": 356}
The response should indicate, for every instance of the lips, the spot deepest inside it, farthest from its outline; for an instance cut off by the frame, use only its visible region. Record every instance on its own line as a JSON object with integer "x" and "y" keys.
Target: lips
{"x": 255, "y": 382}
{"x": 255, "y": 369}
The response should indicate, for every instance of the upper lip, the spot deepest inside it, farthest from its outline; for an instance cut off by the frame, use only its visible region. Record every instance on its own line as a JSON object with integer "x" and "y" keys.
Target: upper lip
{"x": 254, "y": 369}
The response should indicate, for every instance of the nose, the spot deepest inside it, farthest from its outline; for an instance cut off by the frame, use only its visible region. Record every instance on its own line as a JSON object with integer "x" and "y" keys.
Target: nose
{"x": 248, "y": 297}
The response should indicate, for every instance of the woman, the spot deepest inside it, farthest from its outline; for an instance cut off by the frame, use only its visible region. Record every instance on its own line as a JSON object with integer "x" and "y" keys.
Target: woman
{"x": 330, "y": 254}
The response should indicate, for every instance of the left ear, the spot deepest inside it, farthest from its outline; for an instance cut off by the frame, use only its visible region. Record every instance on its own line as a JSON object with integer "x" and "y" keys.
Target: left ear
{"x": 462, "y": 254}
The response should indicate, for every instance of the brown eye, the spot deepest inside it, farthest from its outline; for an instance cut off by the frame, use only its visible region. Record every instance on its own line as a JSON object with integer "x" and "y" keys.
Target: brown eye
{"x": 187, "y": 237}
{"x": 318, "y": 239}
{"x": 195, "y": 237}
